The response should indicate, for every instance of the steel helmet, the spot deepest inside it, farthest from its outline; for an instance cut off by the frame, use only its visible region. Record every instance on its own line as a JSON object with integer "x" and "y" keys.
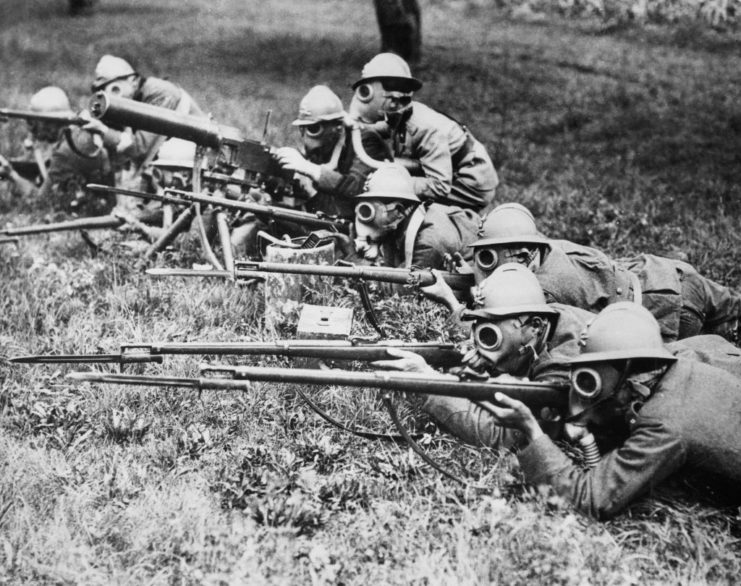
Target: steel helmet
{"x": 621, "y": 331}
{"x": 176, "y": 153}
{"x": 50, "y": 100}
{"x": 389, "y": 66}
{"x": 110, "y": 69}
{"x": 320, "y": 104}
{"x": 389, "y": 181}
{"x": 510, "y": 290}
{"x": 509, "y": 223}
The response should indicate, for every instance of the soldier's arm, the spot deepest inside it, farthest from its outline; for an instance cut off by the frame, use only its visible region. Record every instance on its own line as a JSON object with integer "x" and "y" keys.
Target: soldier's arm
{"x": 351, "y": 183}
{"x": 648, "y": 457}
{"x": 433, "y": 152}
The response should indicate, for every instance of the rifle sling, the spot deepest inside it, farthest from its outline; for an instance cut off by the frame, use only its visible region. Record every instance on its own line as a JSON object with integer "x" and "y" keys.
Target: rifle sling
{"x": 358, "y": 432}
{"x": 417, "y": 449}
{"x": 370, "y": 313}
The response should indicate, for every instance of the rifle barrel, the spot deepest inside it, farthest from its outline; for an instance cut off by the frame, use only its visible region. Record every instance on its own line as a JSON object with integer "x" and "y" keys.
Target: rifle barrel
{"x": 275, "y": 212}
{"x": 533, "y": 394}
{"x": 97, "y": 223}
{"x": 61, "y": 119}
{"x": 417, "y": 277}
{"x": 435, "y": 353}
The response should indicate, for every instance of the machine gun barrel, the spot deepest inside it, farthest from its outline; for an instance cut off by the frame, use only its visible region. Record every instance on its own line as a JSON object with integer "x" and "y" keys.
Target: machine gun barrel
{"x": 96, "y": 223}
{"x": 116, "y": 111}
{"x": 61, "y": 119}
{"x": 401, "y": 276}
{"x": 533, "y": 394}
{"x": 435, "y": 353}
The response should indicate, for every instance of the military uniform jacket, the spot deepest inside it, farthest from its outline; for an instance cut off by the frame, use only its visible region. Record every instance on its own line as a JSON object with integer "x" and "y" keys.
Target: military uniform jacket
{"x": 456, "y": 168}
{"x": 429, "y": 233}
{"x": 587, "y": 278}
{"x": 337, "y": 187}
{"x": 691, "y": 421}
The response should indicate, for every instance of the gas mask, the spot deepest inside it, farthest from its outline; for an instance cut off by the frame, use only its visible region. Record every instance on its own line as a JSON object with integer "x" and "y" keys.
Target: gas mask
{"x": 373, "y": 102}
{"x": 486, "y": 259}
{"x": 319, "y": 140}
{"x": 374, "y": 221}
{"x": 124, "y": 87}
{"x": 508, "y": 346}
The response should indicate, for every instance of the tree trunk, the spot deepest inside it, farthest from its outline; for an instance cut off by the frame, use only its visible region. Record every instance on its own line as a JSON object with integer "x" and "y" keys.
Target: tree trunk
{"x": 401, "y": 29}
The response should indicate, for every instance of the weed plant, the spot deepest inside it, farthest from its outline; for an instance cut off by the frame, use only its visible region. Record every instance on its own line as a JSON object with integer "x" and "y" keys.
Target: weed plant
{"x": 626, "y": 141}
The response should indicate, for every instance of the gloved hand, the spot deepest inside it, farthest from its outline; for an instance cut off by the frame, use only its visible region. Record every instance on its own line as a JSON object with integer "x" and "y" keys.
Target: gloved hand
{"x": 289, "y": 158}
{"x": 93, "y": 124}
{"x": 455, "y": 263}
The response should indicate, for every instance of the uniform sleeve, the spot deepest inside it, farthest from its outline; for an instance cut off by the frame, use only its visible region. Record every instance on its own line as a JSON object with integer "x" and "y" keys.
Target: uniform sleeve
{"x": 648, "y": 457}
{"x": 470, "y": 422}
{"x": 433, "y": 151}
{"x": 349, "y": 183}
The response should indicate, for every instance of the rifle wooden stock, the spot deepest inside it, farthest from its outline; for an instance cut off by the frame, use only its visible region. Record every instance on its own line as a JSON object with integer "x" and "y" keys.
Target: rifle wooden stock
{"x": 533, "y": 394}
{"x": 178, "y": 197}
{"x": 61, "y": 119}
{"x": 400, "y": 276}
{"x": 97, "y": 223}
{"x": 435, "y": 353}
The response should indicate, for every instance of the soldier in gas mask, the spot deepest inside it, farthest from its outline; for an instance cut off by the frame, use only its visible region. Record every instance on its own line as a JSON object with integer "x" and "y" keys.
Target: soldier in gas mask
{"x": 330, "y": 172}
{"x": 395, "y": 229}
{"x": 454, "y": 167}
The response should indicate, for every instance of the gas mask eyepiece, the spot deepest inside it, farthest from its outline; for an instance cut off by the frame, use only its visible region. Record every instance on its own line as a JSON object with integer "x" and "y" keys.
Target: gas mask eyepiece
{"x": 486, "y": 259}
{"x": 586, "y": 382}
{"x": 488, "y": 337}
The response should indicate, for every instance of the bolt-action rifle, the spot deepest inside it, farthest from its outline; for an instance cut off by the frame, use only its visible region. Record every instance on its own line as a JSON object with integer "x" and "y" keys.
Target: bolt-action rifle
{"x": 246, "y": 269}
{"x": 187, "y": 198}
{"x": 435, "y": 353}
{"x": 97, "y": 223}
{"x": 29, "y": 115}
{"x": 239, "y": 378}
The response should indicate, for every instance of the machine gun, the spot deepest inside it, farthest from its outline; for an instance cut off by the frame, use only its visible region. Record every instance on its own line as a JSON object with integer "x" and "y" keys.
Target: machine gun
{"x": 97, "y": 223}
{"x": 30, "y": 116}
{"x": 234, "y": 151}
{"x": 238, "y": 378}
{"x": 435, "y": 353}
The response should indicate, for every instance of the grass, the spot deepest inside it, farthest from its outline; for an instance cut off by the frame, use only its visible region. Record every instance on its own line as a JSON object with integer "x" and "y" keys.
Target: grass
{"x": 627, "y": 141}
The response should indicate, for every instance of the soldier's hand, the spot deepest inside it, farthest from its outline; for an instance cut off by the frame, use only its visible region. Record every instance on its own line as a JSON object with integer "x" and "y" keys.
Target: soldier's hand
{"x": 440, "y": 292}
{"x": 93, "y": 124}
{"x": 5, "y": 168}
{"x": 289, "y": 158}
{"x": 405, "y": 361}
{"x": 455, "y": 263}
{"x": 513, "y": 414}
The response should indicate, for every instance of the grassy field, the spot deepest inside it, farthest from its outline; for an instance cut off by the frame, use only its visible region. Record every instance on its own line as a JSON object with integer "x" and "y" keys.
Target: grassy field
{"x": 629, "y": 141}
